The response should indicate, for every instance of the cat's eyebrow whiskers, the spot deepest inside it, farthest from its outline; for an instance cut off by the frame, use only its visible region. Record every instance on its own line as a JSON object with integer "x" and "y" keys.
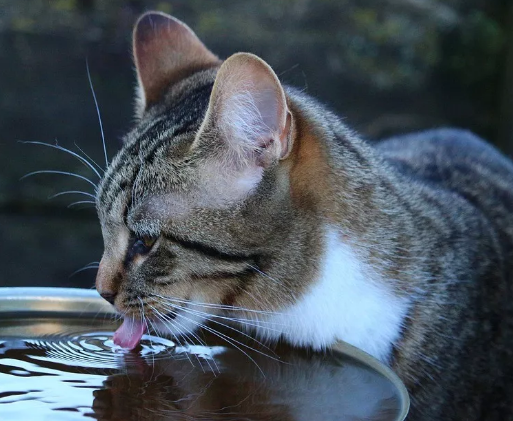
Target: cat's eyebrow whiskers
{"x": 61, "y": 148}
{"x": 98, "y": 113}
{"x": 90, "y": 265}
{"x": 88, "y": 157}
{"x": 62, "y": 173}
{"x": 72, "y": 192}
{"x": 80, "y": 202}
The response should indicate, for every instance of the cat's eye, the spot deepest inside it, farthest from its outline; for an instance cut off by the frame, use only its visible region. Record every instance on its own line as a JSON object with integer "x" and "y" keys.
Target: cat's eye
{"x": 148, "y": 241}
{"x": 143, "y": 244}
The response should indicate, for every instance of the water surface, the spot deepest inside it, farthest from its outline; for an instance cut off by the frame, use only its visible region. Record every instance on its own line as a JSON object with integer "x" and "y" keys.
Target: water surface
{"x": 69, "y": 369}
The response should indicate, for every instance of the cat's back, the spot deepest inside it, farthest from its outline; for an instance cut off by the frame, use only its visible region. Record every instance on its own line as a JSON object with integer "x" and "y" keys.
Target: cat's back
{"x": 461, "y": 162}
{"x": 470, "y": 184}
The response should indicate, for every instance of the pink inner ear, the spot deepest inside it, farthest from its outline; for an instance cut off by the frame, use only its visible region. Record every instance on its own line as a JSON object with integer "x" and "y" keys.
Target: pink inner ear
{"x": 250, "y": 116}
{"x": 251, "y": 108}
{"x": 166, "y": 50}
{"x": 269, "y": 108}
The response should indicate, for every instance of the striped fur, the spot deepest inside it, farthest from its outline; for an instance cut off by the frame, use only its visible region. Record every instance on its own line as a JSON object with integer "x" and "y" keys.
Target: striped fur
{"x": 429, "y": 215}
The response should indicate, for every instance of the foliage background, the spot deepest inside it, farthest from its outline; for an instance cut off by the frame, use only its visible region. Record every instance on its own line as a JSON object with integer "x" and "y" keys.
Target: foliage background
{"x": 388, "y": 66}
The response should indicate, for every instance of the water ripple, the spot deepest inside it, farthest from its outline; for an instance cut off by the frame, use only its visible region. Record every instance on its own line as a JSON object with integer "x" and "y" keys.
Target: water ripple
{"x": 96, "y": 350}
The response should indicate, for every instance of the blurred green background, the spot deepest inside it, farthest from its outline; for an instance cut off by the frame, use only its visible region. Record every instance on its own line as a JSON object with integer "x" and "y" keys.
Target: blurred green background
{"x": 388, "y": 66}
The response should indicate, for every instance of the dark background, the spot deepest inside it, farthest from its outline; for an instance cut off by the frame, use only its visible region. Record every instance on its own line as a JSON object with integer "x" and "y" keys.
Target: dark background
{"x": 388, "y": 66}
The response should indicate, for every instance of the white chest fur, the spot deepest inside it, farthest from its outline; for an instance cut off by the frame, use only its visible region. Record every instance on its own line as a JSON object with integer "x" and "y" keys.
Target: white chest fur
{"x": 348, "y": 302}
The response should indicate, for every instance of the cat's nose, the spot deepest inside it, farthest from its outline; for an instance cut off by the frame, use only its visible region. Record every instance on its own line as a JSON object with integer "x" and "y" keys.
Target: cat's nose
{"x": 109, "y": 296}
{"x": 107, "y": 283}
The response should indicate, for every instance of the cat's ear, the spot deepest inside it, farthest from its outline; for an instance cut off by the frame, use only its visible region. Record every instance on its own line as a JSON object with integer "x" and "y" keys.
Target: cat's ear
{"x": 248, "y": 112}
{"x": 165, "y": 51}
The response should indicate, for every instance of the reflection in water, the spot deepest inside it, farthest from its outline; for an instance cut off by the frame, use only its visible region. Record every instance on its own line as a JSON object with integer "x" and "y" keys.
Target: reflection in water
{"x": 65, "y": 378}
{"x": 297, "y": 388}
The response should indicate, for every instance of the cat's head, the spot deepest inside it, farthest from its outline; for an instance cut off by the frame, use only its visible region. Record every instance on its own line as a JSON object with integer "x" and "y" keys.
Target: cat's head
{"x": 198, "y": 205}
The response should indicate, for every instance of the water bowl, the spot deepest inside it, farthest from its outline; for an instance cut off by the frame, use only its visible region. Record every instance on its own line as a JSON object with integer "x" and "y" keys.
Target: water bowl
{"x": 58, "y": 362}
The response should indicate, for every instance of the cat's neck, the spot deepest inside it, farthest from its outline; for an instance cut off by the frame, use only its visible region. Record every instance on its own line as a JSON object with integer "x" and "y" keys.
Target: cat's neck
{"x": 345, "y": 183}
{"x": 347, "y": 302}
{"x": 357, "y": 294}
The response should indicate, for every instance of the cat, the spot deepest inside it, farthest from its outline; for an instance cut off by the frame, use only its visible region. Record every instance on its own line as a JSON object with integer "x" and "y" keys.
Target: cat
{"x": 237, "y": 197}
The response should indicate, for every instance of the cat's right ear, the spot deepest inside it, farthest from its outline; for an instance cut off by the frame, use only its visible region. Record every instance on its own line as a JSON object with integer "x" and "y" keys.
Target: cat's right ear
{"x": 165, "y": 51}
{"x": 248, "y": 113}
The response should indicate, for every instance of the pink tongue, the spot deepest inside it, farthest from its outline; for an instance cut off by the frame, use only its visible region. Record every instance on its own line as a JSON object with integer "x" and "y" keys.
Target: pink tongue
{"x": 129, "y": 333}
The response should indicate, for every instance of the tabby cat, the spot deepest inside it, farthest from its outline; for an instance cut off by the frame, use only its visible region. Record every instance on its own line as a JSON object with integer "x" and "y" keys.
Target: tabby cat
{"x": 235, "y": 196}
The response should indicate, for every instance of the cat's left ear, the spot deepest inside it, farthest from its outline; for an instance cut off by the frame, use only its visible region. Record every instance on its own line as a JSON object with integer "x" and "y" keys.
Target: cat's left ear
{"x": 248, "y": 113}
{"x": 166, "y": 50}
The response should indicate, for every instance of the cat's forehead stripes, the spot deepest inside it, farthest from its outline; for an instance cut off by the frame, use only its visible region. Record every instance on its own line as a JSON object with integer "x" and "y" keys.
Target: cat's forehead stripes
{"x": 163, "y": 123}
{"x": 179, "y": 115}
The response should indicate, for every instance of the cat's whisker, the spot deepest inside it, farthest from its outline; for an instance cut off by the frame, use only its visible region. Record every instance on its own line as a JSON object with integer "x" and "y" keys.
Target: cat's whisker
{"x": 88, "y": 157}
{"x": 143, "y": 318}
{"x": 202, "y": 342}
{"x": 97, "y": 112}
{"x": 156, "y": 333}
{"x": 217, "y": 306}
{"x": 145, "y": 321}
{"x": 192, "y": 313}
{"x": 61, "y": 148}
{"x": 95, "y": 266}
{"x": 256, "y": 323}
{"x": 30, "y": 174}
{"x": 92, "y": 265}
{"x": 210, "y": 319}
{"x": 171, "y": 324}
{"x": 184, "y": 332}
{"x": 80, "y": 202}
{"x": 255, "y": 299}
{"x": 72, "y": 192}
{"x": 256, "y": 269}
{"x": 250, "y": 322}
{"x": 154, "y": 330}
{"x": 84, "y": 207}
{"x": 95, "y": 262}
{"x": 217, "y": 369}
{"x": 227, "y": 339}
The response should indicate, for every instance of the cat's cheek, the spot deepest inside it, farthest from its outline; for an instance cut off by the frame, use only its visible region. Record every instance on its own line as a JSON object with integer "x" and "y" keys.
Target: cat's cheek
{"x": 223, "y": 185}
{"x": 249, "y": 180}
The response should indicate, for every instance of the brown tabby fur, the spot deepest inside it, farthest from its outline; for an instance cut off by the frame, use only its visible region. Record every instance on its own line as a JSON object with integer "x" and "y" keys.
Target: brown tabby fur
{"x": 431, "y": 213}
